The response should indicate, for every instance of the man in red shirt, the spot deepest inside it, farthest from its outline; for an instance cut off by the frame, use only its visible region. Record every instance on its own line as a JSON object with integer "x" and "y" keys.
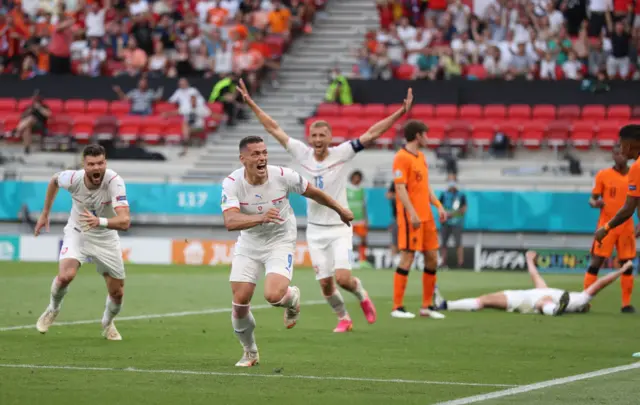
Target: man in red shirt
{"x": 60, "y": 45}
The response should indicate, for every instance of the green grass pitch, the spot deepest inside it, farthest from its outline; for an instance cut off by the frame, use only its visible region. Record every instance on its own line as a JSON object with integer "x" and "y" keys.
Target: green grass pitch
{"x": 189, "y": 358}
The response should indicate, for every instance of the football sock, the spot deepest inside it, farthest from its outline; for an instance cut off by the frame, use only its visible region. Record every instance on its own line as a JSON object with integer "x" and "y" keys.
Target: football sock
{"x": 359, "y": 291}
{"x": 362, "y": 250}
{"x": 243, "y": 326}
{"x": 110, "y": 311}
{"x": 590, "y": 277}
{"x": 428, "y": 287}
{"x": 286, "y": 301}
{"x": 57, "y": 294}
{"x": 549, "y": 308}
{"x": 337, "y": 303}
{"x": 467, "y": 304}
{"x": 399, "y": 286}
{"x": 626, "y": 283}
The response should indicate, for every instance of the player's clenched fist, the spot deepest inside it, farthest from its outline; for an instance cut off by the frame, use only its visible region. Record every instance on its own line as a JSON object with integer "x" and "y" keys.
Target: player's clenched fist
{"x": 346, "y": 216}
{"x": 272, "y": 216}
{"x": 600, "y": 234}
{"x": 43, "y": 222}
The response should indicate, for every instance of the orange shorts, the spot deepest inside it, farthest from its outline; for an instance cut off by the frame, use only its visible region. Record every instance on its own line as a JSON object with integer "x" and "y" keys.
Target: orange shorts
{"x": 624, "y": 242}
{"x": 422, "y": 239}
{"x": 360, "y": 230}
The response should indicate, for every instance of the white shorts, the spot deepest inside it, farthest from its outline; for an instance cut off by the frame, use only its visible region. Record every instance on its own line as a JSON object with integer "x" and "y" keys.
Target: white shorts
{"x": 248, "y": 266}
{"x": 578, "y": 301}
{"x": 105, "y": 252}
{"x": 330, "y": 248}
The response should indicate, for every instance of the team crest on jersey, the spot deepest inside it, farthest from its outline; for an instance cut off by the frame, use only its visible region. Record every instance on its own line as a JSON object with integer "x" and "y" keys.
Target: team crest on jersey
{"x": 259, "y": 207}
{"x": 64, "y": 250}
{"x": 632, "y": 187}
{"x": 398, "y": 174}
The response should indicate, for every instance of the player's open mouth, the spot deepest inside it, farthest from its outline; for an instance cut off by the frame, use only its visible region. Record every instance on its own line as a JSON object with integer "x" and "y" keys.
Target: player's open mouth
{"x": 261, "y": 166}
{"x": 96, "y": 176}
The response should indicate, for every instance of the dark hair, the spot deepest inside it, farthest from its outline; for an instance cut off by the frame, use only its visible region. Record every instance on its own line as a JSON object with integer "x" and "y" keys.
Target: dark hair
{"x": 630, "y": 132}
{"x": 356, "y": 173}
{"x": 413, "y": 128}
{"x": 93, "y": 150}
{"x": 248, "y": 140}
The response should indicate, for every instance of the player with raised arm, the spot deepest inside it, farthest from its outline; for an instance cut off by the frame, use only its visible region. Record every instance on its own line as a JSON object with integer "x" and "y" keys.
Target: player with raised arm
{"x": 99, "y": 210}
{"x": 416, "y": 225}
{"x": 330, "y": 242}
{"x": 538, "y": 300}
{"x": 255, "y": 201}
{"x": 609, "y": 195}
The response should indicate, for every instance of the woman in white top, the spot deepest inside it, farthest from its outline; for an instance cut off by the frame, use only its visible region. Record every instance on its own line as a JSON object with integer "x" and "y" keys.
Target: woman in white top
{"x": 158, "y": 61}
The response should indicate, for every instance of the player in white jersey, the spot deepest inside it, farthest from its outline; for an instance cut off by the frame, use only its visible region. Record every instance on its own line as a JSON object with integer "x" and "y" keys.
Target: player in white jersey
{"x": 330, "y": 242}
{"x": 99, "y": 210}
{"x": 255, "y": 201}
{"x": 539, "y": 300}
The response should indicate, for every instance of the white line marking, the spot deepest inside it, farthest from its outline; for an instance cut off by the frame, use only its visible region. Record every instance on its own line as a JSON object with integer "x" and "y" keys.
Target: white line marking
{"x": 222, "y": 374}
{"x": 541, "y": 385}
{"x": 151, "y": 316}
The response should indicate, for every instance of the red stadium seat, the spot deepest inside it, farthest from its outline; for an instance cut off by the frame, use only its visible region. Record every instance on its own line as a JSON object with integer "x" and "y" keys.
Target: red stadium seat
{"x": 353, "y": 111}
{"x": 164, "y": 107}
{"x": 9, "y": 123}
{"x": 533, "y": 133}
{"x": 173, "y": 130}
{"x": 327, "y": 110}
{"x": 55, "y": 105}
{"x": 388, "y": 138}
{"x": 422, "y": 112}
{"x": 98, "y": 107}
{"x": 582, "y": 134}
{"x": 495, "y": 112}
{"x": 152, "y": 129}
{"x": 375, "y": 111}
{"x": 593, "y": 112}
{"x": 59, "y": 126}
{"x": 129, "y": 128}
{"x": 635, "y": 113}
{"x": 216, "y": 108}
{"x": 8, "y": 105}
{"x": 619, "y": 112}
{"x": 459, "y": 132}
{"x": 607, "y": 136}
{"x": 544, "y": 112}
{"x": 558, "y": 133}
{"x": 511, "y": 128}
{"x": 568, "y": 112}
{"x": 23, "y": 104}
{"x": 446, "y": 112}
{"x": 119, "y": 108}
{"x": 436, "y": 133}
{"x": 519, "y": 112}
{"x": 83, "y": 128}
{"x": 483, "y": 132}
{"x": 470, "y": 112}
{"x": 75, "y": 107}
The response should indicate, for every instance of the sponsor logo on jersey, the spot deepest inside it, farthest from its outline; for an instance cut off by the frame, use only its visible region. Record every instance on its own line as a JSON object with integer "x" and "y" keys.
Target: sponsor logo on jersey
{"x": 632, "y": 187}
{"x": 258, "y": 196}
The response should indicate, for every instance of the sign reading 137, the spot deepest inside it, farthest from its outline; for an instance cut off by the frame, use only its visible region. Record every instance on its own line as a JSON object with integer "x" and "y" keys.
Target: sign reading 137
{"x": 192, "y": 199}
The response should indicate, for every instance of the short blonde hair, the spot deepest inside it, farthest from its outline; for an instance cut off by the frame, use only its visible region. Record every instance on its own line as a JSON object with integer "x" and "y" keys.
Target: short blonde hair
{"x": 320, "y": 124}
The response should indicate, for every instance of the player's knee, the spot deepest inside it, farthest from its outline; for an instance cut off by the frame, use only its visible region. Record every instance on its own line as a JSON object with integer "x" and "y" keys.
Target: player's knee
{"x": 117, "y": 294}
{"x": 66, "y": 276}
{"x": 274, "y": 296}
{"x": 406, "y": 259}
{"x": 629, "y": 271}
{"x": 326, "y": 285}
{"x": 431, "y": 262}
{"x": 344, "y": 279}
{"x": 593, "y": 270}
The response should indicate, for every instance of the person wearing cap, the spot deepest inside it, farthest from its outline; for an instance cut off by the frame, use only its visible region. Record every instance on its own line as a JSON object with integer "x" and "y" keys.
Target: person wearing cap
{"x": 455, "y": 204}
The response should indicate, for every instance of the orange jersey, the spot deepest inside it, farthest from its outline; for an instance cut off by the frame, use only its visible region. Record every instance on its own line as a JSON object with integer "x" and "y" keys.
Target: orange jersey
{"x": 611, "y": 186}
{"x": 634, "y": 179}
{"x": 412, "y": 170}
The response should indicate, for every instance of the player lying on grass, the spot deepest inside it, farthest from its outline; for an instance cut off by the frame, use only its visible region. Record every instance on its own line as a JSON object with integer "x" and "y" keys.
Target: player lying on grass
{"x": 541, "y": 299}
{"x": 255, "y": 201}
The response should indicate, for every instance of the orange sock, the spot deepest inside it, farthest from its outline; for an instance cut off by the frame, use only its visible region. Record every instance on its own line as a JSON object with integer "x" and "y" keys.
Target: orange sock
{"x": 428, "y": 286}
{"x": 626, "y": 282}
{"x": 589, "y": 279}
{"x": 399, "y": 286}
{"x": 363, "y": 252}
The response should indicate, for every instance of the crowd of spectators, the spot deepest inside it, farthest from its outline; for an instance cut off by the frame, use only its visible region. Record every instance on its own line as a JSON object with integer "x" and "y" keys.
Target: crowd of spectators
{"x": 532, "y": 39}
{"x": 160, "y": 37}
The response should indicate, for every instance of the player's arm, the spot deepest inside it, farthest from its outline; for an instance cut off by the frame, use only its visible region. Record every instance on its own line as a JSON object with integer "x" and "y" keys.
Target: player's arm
{"x": 401, "y": 170}
{"x": 234, "y": 220}
{"x": 325, "y": 199}
{"x": 384, "y": 125}
{"x": 270, "y": 125}
{"x": 122, "y": 220}
{"x": 49, "y": 198}
{"x": 596, "y": 201}
{"x": 433, "y": 199}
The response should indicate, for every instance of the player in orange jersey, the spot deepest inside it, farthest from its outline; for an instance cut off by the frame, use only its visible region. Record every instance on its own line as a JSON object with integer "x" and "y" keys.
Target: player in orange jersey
{"x": 416, "y": 225}
{"x": 609, "y": 195}
{"x": 630, "y": 148}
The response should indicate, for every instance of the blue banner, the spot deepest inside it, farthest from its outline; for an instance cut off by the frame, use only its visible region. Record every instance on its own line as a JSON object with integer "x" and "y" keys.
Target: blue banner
{"x": 506, "y": 211}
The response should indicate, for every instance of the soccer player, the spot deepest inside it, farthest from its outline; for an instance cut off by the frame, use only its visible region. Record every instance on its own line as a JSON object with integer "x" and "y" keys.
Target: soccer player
{"x": 357, "y": 205}
{"x": 255, "y": 201}
{"x": 609, "y": 195}
{"x": 416, "y": 225}
{"x": 99, "y": 210}
{"x": 330, "y": 242}
{"x": 541, "y": 299}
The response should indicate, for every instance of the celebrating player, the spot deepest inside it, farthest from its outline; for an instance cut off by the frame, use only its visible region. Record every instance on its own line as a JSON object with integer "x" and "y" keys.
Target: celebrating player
{"x": 330, "y": 242}
{"x": 541, "y": 299}
{"x": 255, "y": 201}
{"x": 416, "y": 225}
{"x": 98, "y": 211}
{"x": 609, "y": 195}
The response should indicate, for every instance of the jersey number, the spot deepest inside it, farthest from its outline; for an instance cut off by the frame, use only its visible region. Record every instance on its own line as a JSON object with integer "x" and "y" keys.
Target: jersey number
{"x": 319, "y": 182}
{"x": 612, "y": 192}
{"x": 289, "y": 262}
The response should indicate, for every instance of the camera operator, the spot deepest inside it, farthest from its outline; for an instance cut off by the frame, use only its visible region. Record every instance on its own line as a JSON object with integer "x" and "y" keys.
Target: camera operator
{"x": 34, "y": 118}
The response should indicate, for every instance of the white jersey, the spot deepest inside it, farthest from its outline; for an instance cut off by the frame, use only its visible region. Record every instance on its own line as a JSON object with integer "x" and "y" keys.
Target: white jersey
{"x": 330, "y": 176}
{"x": 255, "y": 200}
{"x": 524, "y": 301}
{"x": 101, "y": 201}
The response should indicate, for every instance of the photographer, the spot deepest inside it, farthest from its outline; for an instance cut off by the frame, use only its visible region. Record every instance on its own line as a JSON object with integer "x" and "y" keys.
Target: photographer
{"x": 34, "y": 118}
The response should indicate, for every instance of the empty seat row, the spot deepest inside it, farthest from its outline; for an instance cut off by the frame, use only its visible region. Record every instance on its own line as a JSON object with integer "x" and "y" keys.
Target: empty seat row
{"x": 491, "y": 111}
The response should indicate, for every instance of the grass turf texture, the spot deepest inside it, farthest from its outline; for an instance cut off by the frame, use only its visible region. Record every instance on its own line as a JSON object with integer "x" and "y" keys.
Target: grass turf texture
{"x": 490, "y": 347}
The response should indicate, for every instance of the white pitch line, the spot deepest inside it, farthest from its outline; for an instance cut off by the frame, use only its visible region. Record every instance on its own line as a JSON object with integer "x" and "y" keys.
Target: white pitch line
{"x": 538, "y": 386}
{"x": 150, "y": 316}
{"x": 222, "y": 374}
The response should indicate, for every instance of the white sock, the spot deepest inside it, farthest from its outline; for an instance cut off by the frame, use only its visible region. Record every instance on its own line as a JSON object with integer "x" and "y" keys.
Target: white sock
{"x": 337, "y": 303}
{"x": 549, "y": 308}
{"x": 243, "y": 328}
{"x": 359, "y": 292}
{"x": 467, "y": 304}
{"x": 287, "y": 300}
{"x": 110, "y": 311}
{"x": 57, "y": 294}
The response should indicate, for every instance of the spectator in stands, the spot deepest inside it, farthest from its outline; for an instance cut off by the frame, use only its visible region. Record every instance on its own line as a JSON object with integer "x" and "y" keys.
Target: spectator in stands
{"x": 34, "y": 118}
{"x": 548, "y": 67}
{"x": 141, "y": 98}
{"x": 194, "y": 114}
{"x": 143, "y": 33}
{"x": 575, "y": 12}
{"x": 183, "y": 94}
{"x": 428, "y": 65}
{"x": 618, "y": 62}
{"x": 203, "y": 64}
{"x": 181, "y": 60}
{"x": 94, "y": 19}
{"x": 520, "y": 64}
{"x": 339, "y": 90}
{"x": 93, "y": 59}
{"x": 280, "y": 20}
{"x": 135, "y": 59}
{"x": 597, "y": 57}
{"x": 60, "y": 45}
{"x": 225, "y": 91}
{"x": 599, "y": 16}
{"x": 572, "y": 67}
{"x": 455, "y": 203}
{"x": 271, "y": 61}
{"x": 158, "y": 62}
{"x": 250, "y": 62}
{"x": 224, "y": 60}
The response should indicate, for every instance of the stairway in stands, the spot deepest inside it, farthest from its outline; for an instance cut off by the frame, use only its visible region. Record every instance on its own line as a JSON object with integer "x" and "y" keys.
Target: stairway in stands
{"x": 338, "y": 30}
